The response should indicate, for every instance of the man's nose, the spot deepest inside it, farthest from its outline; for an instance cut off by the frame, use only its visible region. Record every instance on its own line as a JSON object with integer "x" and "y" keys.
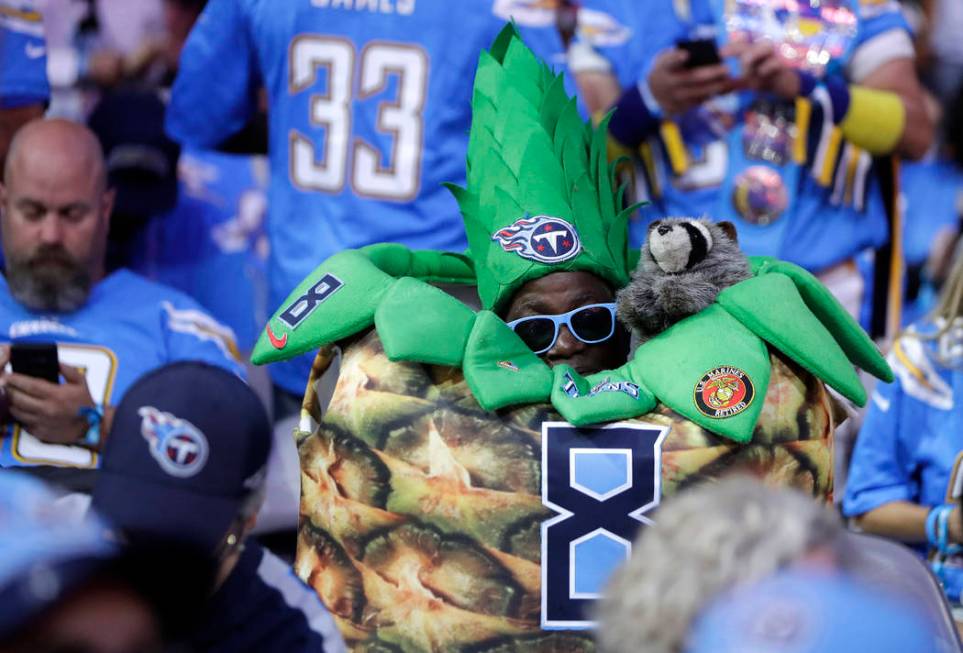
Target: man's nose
{"x": 567, "y": 345}
{"x": 51, "y": 231}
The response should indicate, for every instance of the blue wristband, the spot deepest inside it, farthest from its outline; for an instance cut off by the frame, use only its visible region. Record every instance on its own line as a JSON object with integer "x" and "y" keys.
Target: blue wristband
{"x": 942, "y": 513}
{"x": 807, "y": 83}
{"x": 95, "y": 417}
{"x": 632, "y": 121}
{"x": 943, "y": 532}
{"x": 938, "y": 531}
{"x": 931, "y": 518}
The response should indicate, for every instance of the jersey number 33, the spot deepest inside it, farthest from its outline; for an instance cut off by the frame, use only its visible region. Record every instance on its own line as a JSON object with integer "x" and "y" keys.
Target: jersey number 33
{"x": 344, "y": 158}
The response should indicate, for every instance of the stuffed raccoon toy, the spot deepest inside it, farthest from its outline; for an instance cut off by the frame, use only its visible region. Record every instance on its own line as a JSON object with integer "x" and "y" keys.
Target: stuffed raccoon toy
{"x": 685, "y": 262}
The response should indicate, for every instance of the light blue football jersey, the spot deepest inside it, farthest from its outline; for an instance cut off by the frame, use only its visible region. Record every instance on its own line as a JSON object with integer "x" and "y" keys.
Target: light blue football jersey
{"x": 912, "y": 435}
{"x": 128, "y": 327}
{"x": 212, "y": 245}
{"x": 913, "y": 430}
{"x": 932, "y": 198}
{"x": 370, "y": 106}
{"x": 23, "y": 55}
{"x": 739, "y": 148}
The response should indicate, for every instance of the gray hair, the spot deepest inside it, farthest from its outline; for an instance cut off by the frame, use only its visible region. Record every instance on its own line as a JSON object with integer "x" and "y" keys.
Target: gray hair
{"x": 707, "y": 540}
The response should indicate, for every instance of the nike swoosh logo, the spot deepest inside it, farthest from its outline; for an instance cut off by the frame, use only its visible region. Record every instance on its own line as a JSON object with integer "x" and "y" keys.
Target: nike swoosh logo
{"x": 277, "y": 343}
{"x": 34, "y": 51}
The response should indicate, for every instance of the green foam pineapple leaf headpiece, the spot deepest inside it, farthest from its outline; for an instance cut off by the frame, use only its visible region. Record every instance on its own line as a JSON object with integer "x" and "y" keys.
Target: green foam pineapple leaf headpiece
{"x": 540, "y": 194}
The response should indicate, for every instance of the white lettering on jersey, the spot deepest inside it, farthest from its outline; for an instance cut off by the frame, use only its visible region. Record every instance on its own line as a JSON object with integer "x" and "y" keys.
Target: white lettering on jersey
{"x": 203, "y": 327}
{"x": 36, "y": 327}
{"x": 400, "y": 7}
{"x": 882, "y": 402}
{"x": 918, "y": 374}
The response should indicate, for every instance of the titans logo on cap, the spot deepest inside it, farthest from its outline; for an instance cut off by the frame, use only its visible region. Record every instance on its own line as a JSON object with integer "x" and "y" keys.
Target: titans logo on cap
{"x": 177, "y": 445}
{"x": 540, "y": 238}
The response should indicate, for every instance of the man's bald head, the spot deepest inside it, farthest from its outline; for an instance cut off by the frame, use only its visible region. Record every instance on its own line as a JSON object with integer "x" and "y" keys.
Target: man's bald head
{"x": 56, "y": 213}
{"x": 57, "y": 145}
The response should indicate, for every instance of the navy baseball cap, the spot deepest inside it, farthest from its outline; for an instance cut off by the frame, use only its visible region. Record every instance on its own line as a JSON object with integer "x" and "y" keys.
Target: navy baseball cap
{"x": 44, "y": 551}
{"x": 189, "y": 443}
{"x": 797, "y": 613}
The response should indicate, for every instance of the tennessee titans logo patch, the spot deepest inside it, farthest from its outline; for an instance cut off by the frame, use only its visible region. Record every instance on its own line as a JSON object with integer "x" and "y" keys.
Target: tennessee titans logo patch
{"x": 540, "y": 238}
{"x": 177, "y": 445}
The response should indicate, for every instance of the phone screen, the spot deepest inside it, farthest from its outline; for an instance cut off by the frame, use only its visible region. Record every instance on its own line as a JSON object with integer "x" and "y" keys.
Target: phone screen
{"x": 37, "y": 359}
{"x": 702, "y": 52}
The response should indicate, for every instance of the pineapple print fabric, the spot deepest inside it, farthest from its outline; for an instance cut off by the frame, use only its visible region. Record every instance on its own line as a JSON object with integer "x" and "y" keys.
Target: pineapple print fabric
{"x": 422, "y": 514}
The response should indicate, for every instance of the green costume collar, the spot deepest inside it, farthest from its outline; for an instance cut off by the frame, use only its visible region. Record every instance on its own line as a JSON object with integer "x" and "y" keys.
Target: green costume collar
{"x": 712, "y": 368}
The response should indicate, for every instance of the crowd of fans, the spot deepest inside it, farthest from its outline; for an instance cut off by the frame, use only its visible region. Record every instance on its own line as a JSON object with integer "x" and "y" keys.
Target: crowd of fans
{"x": 165, "y": 189}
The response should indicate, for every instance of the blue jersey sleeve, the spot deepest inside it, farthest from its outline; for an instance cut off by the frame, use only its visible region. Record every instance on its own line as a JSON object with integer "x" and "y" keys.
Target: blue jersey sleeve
{"x": 192, "y": 334}
{"x": 878, "y": 16}
{"x": 882, "y": 468}
{"x": 650, "y": 26}
{"x": 215, "y": 93}
{"x": 23, "y": 55}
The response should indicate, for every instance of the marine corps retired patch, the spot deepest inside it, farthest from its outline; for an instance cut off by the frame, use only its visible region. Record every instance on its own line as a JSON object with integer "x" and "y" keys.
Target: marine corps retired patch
{"x": 724, "y": 392}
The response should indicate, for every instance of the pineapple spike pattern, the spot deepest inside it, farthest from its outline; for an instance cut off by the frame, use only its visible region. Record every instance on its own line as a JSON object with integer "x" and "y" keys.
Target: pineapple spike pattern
{"x": 530, "y": 154}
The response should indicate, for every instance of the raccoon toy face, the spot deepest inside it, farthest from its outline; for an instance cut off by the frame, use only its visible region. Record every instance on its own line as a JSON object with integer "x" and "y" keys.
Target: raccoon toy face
{"x": 678, "y": 245}
{"x": 685, "y": 262}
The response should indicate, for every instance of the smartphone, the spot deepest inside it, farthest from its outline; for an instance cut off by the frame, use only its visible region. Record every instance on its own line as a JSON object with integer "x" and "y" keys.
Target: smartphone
{"x": 37, "y": 359}
{"x": 702, "y": 52}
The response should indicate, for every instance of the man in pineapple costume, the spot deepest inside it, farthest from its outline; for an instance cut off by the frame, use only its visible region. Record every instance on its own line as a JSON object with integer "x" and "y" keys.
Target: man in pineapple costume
{"x": 458, "y": 492}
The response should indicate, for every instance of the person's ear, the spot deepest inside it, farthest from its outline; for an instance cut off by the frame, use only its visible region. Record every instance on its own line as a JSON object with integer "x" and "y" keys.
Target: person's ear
{"x": 729, "y": 230}
{"x": 249, "y": 524}
{"x": 107, "y": 206}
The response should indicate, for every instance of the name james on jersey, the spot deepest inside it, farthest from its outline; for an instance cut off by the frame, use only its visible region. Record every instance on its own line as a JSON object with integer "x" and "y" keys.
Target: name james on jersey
{"x": 401, "y": 7}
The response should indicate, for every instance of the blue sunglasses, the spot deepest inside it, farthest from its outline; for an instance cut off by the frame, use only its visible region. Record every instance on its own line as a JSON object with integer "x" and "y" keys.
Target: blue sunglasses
{"x": 590, "y": 324}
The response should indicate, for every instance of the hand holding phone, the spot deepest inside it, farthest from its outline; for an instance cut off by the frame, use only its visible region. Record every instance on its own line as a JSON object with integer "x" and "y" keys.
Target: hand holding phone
{"x": 702, "y": 52}
{"x": 683, "y": 77}
{"x": 50, "y": 410}
{"x": 37, "y": 359}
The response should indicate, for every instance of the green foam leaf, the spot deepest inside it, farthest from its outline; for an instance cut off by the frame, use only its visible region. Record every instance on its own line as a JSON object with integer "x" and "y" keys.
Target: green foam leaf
{"x": 337, "y": 300}
{"x": 858, "y": 346}
{"x": 500, "y": 369}
{"x": 418, "y": 322}
{"x": 692, "y": 356}
{"x": 604, "y": 397}
{"x": 771, "y": 307}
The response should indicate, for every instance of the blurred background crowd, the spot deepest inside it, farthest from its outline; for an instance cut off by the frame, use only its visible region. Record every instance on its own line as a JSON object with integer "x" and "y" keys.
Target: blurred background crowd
{"x": 223, "y": 182}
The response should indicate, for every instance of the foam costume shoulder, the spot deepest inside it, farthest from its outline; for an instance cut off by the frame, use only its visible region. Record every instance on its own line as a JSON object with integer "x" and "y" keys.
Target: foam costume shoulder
{"x": 540, "y": 199}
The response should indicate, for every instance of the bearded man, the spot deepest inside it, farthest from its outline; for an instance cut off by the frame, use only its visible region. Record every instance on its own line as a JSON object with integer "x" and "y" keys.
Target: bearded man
{"x": 109, "y": 328}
